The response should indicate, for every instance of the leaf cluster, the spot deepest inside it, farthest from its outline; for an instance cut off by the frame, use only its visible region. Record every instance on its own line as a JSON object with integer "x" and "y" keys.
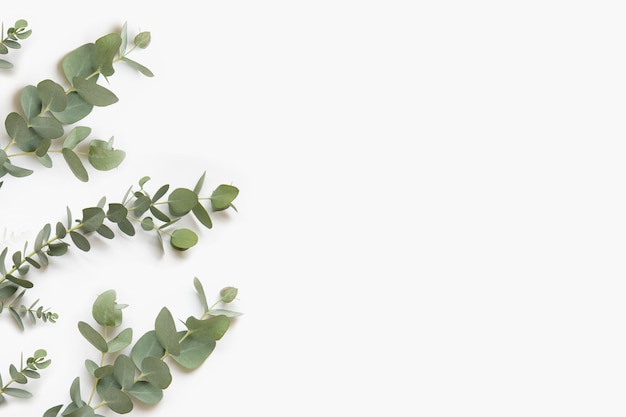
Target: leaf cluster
{"x": 22, "y": 374}
{"x": 48, "y": 107}
{"x": 122, "y": 379}
{"x": 139, "y": 209}
{"x": 11, "y": 40}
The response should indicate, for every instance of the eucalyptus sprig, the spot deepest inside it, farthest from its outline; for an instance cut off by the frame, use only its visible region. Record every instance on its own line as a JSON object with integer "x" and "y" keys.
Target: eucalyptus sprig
{"x": 151, "y": 213}
{"x": 49, "y": 107}
{"x": 22, "y": 374}
{"x": 121, "y": 380}
{"x": 11, "y": 40}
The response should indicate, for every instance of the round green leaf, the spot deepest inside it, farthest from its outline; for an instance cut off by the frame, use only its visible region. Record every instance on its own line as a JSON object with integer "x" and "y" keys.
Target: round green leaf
{"x": 181, "y": 201}
{"x": 183, "y": 239}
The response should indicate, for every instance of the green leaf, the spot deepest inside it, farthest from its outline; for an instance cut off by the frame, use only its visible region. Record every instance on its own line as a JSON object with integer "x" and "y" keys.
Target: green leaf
{"x": 16, "y": 375}
{"x": 223, "y": 196}
{"x": 91, "y": 366}
{"x": 4, "y": 64}
{"x": 156, "y": 372}
{"x": 57, "y": 249}
{"x": 75, "y": 392}
{"x": 127, "y": 227}
{"x": 212, "y": 328}
{"x": 79, "y": 62}
{"x": 142, "y": 40}
{"x": 121, "y": 341}
{"x": 80, "y": 241}
{"x": 53, "y": 411}
{"x": 17, "y": 392}
{"x": 17, "y": 129}
{"x": 228, "y": 294}
{"x": 166, "y": 333}
{"x": 76, "y": 110}
{"x": 183, "y": 239}
{"x": 103, "y": 157}
{"x": 93, "y": 336}
{"x": 75, "y": 164}
{"x": 106, "y": 48}
{"x": 46, "y": 127}
{"x": 93, "y": 217}
{"x": 76, "y": 136}
{"x": 117, "y": 400}
{"x": 160, "y": 193}
{"x": 42, "y": 149}
{"x": 147, "y": 223}
{"x": 201, "y": 294}
{"x": 147, "y": 345}
{"x": 145, "y": 392}
{"x": 181, "y": 201}
{"x": 105, "y": 231}
{"x": 60, "y": 230}
{"x": 93, "y": 93}
{"x": 104, "y": 310}
{"x": 52, "y": 95}
{"x": 117, "y": 212}
{"x": 136, "y": 65}
{"x": 194, "y": 351}
{"x": 103, "y": 371}
{"x": 198, "y": 187}
{"x": 202, "y": 215}
{"x": 124, "y": 371}
{"x": 16, "y": 171}
{"x": 18, "y": 281}
{"x": 30, "y": 101}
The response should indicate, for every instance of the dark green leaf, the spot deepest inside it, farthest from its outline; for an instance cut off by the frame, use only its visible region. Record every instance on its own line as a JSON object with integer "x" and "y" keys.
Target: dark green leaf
{"x": 93, "y": 217}
{"x": 80, "y": 241}
{"x": 202, "y": 215}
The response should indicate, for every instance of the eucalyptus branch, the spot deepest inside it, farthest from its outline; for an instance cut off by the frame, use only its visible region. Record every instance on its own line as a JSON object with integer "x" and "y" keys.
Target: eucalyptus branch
{"x": 21, "y": 376}
{"x": 137, "y": 207}
{"x": 122, "y": 380}
{"x": 16, "y": 33}
{"x": 49, "y": 107}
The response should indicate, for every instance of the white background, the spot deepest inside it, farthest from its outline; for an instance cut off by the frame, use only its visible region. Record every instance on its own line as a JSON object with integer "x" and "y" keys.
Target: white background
{"x": 431, "y": 217}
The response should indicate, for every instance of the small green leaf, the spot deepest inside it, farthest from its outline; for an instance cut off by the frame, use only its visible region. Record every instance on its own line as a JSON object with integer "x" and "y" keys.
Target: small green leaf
{"x": 121, "y": 341}
{"x": 228, "y": 294}
{"x": 201, "y": 294}
{"x": 104, "y": 310}
{"x": 80, "y": 241}
{"x": 53, "y": 411}
{"x": 93, "y": 336}
{"x": 223, "y": 196}
{"x": 93, "y": 217}
{"x": 75, "y": 164}
{"x": 17, "y": 392}
{"x": 212, "y": 328}
{"x": 30, "y": 101}
{"x": 16, "y": 375}
{"x": 117, "y": 400}
{"x": 103, "y": 157}
{"x": 166, "y": 333}
{"x": 183, "y": 239}
{"x": 202, "y": 215}
{"x": 76, "y": 136}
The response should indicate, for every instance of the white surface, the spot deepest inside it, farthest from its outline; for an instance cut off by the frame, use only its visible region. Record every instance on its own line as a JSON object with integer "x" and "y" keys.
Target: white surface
{"x": 431, "y": 218}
